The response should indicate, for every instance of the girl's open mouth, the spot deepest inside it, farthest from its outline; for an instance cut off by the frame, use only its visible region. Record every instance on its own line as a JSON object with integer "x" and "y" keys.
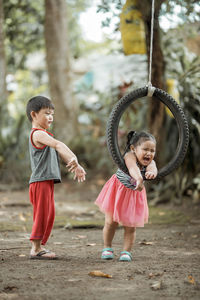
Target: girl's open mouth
{"x": 146, "y": 159}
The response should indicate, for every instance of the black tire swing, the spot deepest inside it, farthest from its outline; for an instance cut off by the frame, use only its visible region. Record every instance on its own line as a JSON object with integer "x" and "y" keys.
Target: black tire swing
{"x": 166, "y": 99}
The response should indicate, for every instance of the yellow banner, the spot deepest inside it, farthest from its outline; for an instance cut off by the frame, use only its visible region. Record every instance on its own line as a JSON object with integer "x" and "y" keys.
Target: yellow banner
{"x": 132, "y": 29}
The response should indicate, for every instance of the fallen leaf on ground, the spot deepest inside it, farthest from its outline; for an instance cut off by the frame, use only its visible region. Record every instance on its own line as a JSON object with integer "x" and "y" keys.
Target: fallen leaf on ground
{"x": 191, "y": 279}
{"x": 151, "y": 275}
{"x": 2, "y": 213}
{"x": 98, "y": 273}
{"x": 130, "y": 277}
{"x": 81, "y": 236}
{"x": 10, "y": 288}
{"x": 22, "y": 218}
{"x": 194, "y": 236}
{"x": 145, "y": 243}
{"x": 156, "y": 285}
{"x": 78, "y": 237}
{"x": 161, "y": 213}
{"x": 68, "y": 226}
{"x": 73, "y": 280}
{"x": 195, "y": 221}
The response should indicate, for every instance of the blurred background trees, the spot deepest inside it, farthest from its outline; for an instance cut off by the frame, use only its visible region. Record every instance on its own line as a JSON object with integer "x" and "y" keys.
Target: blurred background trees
{"x": 44, "y": 50}
{"x": 59, "y": 69}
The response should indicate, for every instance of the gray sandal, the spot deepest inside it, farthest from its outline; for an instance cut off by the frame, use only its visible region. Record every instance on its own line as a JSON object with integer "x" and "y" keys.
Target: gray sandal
{"x": 40, "y": 254}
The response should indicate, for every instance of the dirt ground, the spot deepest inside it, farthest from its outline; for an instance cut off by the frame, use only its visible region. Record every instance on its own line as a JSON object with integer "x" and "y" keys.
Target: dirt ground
{"x": 166, "y": 256}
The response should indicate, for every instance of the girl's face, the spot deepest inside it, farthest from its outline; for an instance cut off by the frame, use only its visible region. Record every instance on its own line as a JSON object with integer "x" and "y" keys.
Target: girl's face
{"x": 145, "y": 152}
{"x": 43, "y": 118}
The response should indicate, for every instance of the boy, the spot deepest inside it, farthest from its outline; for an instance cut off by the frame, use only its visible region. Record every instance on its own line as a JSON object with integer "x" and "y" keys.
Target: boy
{"x": 44, "y": 150}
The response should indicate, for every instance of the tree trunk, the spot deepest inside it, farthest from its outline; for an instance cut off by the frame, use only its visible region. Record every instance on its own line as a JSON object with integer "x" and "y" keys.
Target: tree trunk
{"x": 59, "y": 71}
{"x": 156, "y": 108}
{"x": 3, "y": 90}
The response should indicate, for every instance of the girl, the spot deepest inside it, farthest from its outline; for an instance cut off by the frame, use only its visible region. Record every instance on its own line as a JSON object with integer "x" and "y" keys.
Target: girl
{"x": 123, "y": 197}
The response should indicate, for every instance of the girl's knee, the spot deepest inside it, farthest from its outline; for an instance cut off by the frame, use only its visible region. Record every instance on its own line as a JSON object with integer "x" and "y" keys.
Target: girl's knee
{"x": 109, "y": 221}
{"x": 110, "y": 224}
{"x": 130, "y": 229}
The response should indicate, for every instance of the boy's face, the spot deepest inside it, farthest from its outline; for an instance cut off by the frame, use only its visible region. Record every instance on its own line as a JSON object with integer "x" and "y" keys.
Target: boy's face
{"x": 43, "y": 118}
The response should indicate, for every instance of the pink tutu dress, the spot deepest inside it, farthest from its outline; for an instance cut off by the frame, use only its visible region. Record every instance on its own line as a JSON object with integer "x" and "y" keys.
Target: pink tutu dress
{"x": 127, "y": 206}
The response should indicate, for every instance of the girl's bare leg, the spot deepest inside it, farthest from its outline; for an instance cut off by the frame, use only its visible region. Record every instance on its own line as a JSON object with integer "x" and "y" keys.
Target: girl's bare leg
{"x": 109, "y": 231}
{"x": 129, "y": 238}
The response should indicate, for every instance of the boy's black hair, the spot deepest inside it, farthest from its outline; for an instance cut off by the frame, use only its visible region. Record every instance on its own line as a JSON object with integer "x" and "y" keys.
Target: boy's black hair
{"x": 137, "y": 138}
{"x": 36, "y": 104}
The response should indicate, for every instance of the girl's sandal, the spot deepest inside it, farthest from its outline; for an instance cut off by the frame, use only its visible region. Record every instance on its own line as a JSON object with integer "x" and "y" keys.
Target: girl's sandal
{"x": 125, "y": 256}
{"x": 107, "y": 253}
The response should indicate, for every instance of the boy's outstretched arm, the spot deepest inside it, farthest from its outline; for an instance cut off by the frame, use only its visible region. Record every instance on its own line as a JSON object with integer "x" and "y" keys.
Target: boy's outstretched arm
{"x": 151, "y": 170}
{"x": 41, "y": 138}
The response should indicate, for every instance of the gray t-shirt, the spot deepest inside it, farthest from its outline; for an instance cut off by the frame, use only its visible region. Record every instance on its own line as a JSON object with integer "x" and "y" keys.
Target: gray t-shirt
{"x": 44, "y": 162}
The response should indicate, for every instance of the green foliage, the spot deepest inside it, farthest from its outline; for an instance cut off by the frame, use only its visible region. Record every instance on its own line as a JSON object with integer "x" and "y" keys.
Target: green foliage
{"x": 76, "y": 41}
{"x": 24, "y": 35}
{"x": 111, "y": 10}
{"x": 190, "y": 8}
{"x": 188, "y": 11}
{"x": 14, "y": 155}
{"x": 185, "y": 68}
{"x": 23, "y": 28}
{"x": 90, "y": 145}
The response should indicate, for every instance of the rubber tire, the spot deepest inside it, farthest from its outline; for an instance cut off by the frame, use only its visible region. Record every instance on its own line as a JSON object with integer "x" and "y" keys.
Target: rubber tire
{"x": 176, "y": 110}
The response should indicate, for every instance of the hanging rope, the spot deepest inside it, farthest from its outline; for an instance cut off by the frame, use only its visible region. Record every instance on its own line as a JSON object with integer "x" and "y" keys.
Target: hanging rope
{"x": 151, "y": 89}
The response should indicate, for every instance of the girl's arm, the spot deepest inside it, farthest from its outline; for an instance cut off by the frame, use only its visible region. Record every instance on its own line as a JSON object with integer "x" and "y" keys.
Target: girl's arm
{"x": 151, "y": 170}
{"x": 41, "y": 138}
{"x": 134, "y": 171}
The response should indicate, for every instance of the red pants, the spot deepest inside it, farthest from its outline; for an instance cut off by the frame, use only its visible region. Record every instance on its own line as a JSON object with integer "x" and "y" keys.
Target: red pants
{"x": 41, "y": 195}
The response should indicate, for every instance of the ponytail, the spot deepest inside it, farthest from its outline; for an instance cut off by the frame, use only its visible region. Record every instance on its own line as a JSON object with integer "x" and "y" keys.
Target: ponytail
{"x": 130, "y": 138}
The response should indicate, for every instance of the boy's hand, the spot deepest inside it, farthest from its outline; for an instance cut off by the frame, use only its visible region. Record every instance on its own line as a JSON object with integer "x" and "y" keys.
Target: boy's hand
{"x": 79, "y": 174}
{"x": 72, "y": 165}
{"x": 150, "y": 175}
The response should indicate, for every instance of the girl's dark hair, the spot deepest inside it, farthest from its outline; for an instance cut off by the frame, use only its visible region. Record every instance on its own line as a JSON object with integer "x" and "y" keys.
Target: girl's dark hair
{"x": 137, "y": 138}
{"x": 36, "y": 104}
